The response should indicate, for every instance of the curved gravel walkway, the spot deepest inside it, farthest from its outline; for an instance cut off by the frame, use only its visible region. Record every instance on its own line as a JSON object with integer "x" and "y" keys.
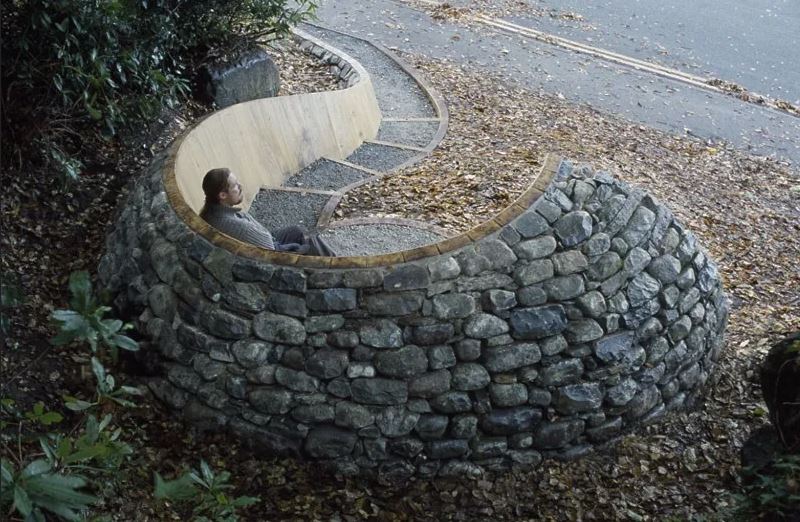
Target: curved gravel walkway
{"x": 413, "y": 124}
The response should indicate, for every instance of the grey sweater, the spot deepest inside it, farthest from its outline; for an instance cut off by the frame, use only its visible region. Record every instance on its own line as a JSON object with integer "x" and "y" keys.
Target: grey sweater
{"x": 238, "y": 224}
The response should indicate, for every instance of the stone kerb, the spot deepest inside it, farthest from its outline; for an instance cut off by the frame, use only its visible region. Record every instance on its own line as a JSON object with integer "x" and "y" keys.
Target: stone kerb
{"x": 567, "y": 320}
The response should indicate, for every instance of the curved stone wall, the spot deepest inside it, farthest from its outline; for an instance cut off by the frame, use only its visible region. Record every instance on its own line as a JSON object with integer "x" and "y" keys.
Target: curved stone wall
{"x": 582, "y": 310}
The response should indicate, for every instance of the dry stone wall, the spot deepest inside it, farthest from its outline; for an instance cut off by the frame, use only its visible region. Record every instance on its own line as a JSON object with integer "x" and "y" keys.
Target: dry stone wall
{"x": 592, "y": 312}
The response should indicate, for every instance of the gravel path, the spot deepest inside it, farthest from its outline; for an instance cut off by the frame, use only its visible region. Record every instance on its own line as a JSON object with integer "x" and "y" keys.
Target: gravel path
{"x": 324, "y": 174}
{"x": 415, "y": 133}
{"x": 398, "y": 94}
{"x": 276, "y": 208}
{"x": 380, "y": 157}
{"x": 366, "y": 240}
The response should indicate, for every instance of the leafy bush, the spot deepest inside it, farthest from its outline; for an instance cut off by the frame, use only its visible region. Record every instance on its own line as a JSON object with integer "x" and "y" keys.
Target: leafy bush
{"x": 97, "y": 447}
{"x": 772, "y": 493}
{"x": 100, "y": 65}
{"x": 36, "y": 487}
{"x": 207, "y": 491}
{"x": 84, "y": 321}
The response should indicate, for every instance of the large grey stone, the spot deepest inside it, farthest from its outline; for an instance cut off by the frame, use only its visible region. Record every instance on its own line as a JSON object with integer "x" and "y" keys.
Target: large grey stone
{"x": 642, "y": 289}
{"x": 639, "y": 226}
{"x": 592, "y": 304}
{"x": 469, "y": 376}
{"x": 328, "y": 442}
{"x": 573, "y": 228}
{"x": 471, "y": 262}
{"x": 161, "y": 299}
{"x": 569, "y": 262}
{"x": 453, "y": 306}
{"x": 539, "y": 247}
{"x": 614, "y": 348}
{"x": 298, "y": 381}
{"x": 288, "y": 280}
{"x": 396, "y": 421}
{"x": 534, "y": 272}
{"x": 248, "y": 297}
{"x": 430, "y": 384}
{"x": 381, "y": 333}
{"x": 286, "y": 304}
{"x": 483, "y": 326}
{"x": 331, "y": 299}
{"x": 279, "y": 328}
{"x": 251, "y": 76}
{"x": 551, "y": 435}
{"x": 452, "y": 402}
{"x": 538, "y": 322}
{"x": 500, "y": 256}
{"x": 443, "y": 268}
{"x": 407, "y": 277}
{"x": 565, "y": 287}
{"x": 323, "y": 323}
{"x": 252, "y": 271}
{"x": 447, "y": 449}
{"x": 499, "y": 359}
{"x": 583, "y": 331}
{"x": 622, "y": 393}
{"x": 403, "y": 362}
{"x": 226, "y": 325}
{"x": 427, "y": 335}
{"x": 353, "y": 416}
{"x": 327, "y": 364}
{"x": 577, "y": 398}
{"x": 483, "y": 282}
{"x": 379, "y": 391}
{"x": 530, "y": 225}
{"x": 531, "y": 295}
{"x": 400, "y": 303}
{"x": 498, "y": 300}
{"x": 275, "y": 401}
{"x": 664, "y": 268}
{"x": 441, "y": 356}
{"x": 365, "y": 278}
{"x": 562, "y": 372}
{"x": 604, "y": 266}
{"x": 511, "y": 420}
{"x": 636, "y": 261}
{"x": 596, "y": 245}
{"x": 508, "y": 395}
{"x": 431, "y": 427}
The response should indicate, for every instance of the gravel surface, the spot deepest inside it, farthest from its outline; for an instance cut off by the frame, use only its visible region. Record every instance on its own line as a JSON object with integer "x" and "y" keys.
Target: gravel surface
{"x": 276, "y": 208}
{"x": 366, "y": 240}
{"x": 399, "y": 96}
{"x": 325, "y": 175}
{"x": 380, "y": 157}
{"x": 416, "y": 133}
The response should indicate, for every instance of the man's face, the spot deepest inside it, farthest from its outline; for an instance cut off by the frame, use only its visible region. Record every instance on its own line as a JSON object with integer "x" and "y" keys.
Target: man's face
{"x": 233, "y": 195}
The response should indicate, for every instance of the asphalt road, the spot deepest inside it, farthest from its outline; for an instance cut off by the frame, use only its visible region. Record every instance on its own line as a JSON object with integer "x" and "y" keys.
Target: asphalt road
{"x": 641, "y": 97}
{"x": 754, "y": 43}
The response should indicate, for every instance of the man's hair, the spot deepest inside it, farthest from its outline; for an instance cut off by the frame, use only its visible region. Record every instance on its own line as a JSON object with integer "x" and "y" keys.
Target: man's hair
{"x": 214, "y": 182}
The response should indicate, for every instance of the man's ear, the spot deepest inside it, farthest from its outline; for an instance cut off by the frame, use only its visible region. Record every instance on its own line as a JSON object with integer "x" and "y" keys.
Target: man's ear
{"x": 223, "y": 196}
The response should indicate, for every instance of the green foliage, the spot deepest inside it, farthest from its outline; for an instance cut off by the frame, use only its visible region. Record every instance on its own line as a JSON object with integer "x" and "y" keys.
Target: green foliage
{"x": 106, "y": 390}
{"x": 207, "y": 490}
{"x": 102, "y": 65}
{"x": 97, "y": 448}
{"x": 45, "y": 418}
{"x": 771, "y": 495}
{"x": 84, "y": 322}
{"x": 37, "y": 488}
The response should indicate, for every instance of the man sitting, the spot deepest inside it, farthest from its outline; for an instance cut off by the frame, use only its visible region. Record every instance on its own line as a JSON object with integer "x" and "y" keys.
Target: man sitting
{"x": 223, "y": 192}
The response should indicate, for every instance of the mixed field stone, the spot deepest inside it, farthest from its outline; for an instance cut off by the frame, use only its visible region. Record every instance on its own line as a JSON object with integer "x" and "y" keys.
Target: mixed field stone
{"x": 592, "y": 312}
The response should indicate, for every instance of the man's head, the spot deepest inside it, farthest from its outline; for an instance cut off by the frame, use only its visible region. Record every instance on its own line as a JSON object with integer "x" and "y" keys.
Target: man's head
{"x": 222, "y": 187}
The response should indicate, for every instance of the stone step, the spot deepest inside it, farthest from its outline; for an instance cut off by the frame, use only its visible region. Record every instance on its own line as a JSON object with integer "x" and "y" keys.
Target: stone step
{"x": 279, "y": 208}
{"x": 398, "y": 94}
{"x": 377, "y": 238}
{"x": 325, "y": 174}
{"x": 382, "y": 158}
{"x": 414, "y": 133}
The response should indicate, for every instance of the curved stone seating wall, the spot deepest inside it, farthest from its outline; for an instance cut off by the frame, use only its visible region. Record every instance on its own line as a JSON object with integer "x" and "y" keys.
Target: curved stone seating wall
{"x": 265, "y": 141}
{"x": 581, "y": 311}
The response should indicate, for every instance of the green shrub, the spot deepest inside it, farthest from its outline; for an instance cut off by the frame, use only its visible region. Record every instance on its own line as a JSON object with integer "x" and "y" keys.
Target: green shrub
{"x": 84, "y": 321}
{"x": 772, "y": 493}
{"x": 77, "y": 67}
{"x": 207, "y": 491}
{"x": 36, "y": 488}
